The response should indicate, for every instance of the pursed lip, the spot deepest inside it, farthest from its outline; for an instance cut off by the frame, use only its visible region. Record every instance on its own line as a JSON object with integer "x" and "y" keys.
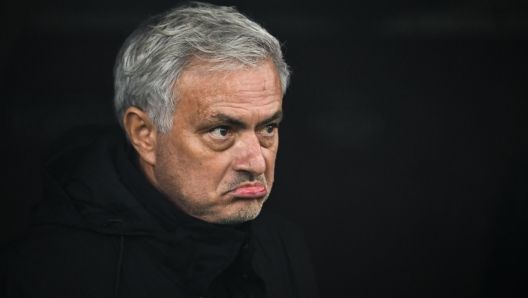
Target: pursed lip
{"x": 249, "y": 190}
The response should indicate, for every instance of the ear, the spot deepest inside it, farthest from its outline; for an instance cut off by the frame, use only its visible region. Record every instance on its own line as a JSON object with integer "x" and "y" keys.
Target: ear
{"x": 142, "y": 134}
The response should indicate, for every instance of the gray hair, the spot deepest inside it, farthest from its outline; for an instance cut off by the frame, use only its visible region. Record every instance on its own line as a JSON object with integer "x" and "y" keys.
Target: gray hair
{"x": 156, "y": 53}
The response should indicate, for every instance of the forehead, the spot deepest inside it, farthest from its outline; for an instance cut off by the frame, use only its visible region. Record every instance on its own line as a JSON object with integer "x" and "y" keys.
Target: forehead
{"x": 245, "y": 88}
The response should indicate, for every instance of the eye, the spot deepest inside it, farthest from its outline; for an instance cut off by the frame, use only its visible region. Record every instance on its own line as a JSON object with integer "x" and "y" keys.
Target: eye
{"x": 221, "y": 132}
{"x": 269, "y": 130}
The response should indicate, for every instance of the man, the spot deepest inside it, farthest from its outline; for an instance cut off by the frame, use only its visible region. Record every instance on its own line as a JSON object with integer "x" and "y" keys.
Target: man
{"x": 170, "y": 208}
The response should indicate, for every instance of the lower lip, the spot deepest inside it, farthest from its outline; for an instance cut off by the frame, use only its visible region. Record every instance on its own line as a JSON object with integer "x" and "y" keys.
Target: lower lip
{"x": 250, "y": 192}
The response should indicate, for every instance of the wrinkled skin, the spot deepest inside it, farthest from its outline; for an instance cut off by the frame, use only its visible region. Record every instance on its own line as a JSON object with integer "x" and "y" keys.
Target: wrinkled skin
{"x": 218, "y": 162}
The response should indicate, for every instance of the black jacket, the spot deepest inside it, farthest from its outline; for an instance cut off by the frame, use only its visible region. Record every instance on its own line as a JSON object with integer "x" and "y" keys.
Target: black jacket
{"x": 103, "y": 231}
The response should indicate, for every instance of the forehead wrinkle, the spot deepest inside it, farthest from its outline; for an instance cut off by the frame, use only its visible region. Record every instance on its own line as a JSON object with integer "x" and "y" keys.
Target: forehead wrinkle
{"x": 222, "y": 76}
{"x": 228, "y": 87}
{"x": 236, "y": 117}
{"x": 224, "y": 118}
{"x": 248, "y": 83}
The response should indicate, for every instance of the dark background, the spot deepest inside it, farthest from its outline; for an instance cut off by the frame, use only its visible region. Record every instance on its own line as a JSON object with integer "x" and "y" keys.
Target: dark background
{"x": 403, "y": 151}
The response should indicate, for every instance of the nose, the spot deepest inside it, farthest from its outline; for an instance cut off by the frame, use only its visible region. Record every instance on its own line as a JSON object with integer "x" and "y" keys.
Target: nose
{"x": 249, "y": 156}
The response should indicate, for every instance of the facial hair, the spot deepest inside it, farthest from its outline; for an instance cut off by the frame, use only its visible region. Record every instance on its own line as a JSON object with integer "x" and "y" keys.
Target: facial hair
{"x": 241, "y": 215}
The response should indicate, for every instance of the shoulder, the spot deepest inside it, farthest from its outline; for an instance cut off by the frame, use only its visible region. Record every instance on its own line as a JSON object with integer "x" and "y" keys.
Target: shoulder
{"x": 56, "y": 242}
{"x": 55, "y": 259}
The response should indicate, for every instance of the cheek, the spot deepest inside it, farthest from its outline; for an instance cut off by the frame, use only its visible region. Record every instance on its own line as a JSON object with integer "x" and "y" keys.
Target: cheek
{"x": 174, "y": 162}
{"x": 206, "y": 169}
{"x": 270, "y": 156}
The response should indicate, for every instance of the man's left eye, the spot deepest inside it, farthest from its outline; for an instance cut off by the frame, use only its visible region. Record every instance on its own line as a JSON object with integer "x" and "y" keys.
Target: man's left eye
{"x": 269, "y": 130}
{"x": 221, "y": 132}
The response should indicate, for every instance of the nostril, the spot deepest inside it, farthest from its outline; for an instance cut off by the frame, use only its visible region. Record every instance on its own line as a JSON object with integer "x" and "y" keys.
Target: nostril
{"x": 247, "y": 176}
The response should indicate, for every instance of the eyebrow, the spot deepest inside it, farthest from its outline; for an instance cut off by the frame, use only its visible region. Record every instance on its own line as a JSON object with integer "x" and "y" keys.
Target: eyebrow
{"x": 278, "y": 115}
{"x": 237, "y": 122}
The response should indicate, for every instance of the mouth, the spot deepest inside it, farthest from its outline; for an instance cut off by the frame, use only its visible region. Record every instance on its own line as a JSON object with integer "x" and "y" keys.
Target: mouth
{"x": 250, "y": 190}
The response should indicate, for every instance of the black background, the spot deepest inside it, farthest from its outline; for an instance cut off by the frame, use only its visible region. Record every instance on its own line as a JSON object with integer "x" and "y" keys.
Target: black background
{"x": 403, "y": 150}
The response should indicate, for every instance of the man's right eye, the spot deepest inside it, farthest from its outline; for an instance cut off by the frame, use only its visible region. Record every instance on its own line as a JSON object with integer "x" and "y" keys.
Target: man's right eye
{"x": 221, "y": 132}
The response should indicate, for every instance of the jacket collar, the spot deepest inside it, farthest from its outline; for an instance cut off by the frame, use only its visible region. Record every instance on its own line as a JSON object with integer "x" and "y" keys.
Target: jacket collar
{"x": 91, "y": 183}
{"x": 197, "y": 249}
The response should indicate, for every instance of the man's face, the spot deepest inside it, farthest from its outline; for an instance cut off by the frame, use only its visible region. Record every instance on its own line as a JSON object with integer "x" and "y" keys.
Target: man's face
{"x": 217, "y": 163}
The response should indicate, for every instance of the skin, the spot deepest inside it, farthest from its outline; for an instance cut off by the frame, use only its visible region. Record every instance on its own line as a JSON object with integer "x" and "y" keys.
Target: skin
{"x": 217, "y": 163}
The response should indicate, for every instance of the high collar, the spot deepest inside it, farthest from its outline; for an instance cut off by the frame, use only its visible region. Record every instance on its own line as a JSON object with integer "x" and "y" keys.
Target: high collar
{"x": 198, "y": 249}
{"x": 166, "y": 213}
{"x": 92, "y": 183}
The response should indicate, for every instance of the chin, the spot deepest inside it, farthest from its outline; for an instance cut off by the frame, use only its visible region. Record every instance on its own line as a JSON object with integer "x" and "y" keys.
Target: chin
{"x": 242, "y": 214}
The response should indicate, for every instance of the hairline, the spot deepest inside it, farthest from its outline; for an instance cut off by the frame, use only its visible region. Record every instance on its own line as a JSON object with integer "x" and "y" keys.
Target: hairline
{"x": 159, "y": 93}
